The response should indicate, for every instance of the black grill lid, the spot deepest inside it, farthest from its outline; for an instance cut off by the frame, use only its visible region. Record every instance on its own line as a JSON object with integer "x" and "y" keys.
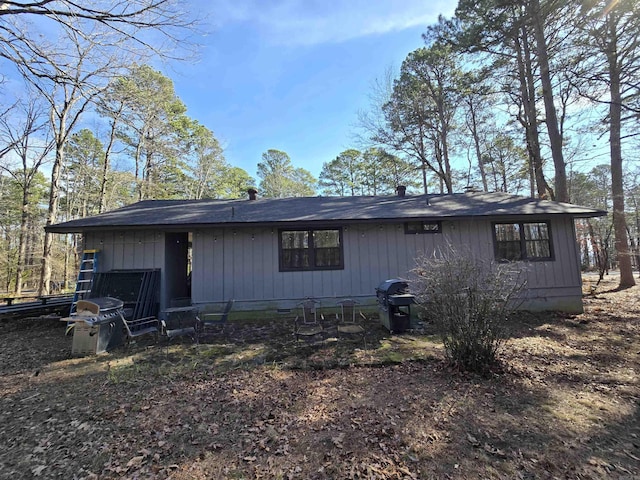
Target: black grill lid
{"x": 107, "y": 303}
{"x": 401, "y": 300}
{"x": 393, "y": 286}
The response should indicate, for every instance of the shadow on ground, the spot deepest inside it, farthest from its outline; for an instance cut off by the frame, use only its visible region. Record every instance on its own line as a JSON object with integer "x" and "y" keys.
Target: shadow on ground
{"x": 254, "y": 403}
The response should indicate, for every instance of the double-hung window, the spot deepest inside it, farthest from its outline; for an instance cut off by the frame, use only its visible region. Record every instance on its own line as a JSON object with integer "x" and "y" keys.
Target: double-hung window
{"x": 523, "y": 241}
{"x": 311, "y": 249}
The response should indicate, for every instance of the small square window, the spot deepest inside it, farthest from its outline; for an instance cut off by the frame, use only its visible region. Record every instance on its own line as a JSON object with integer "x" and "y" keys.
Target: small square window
{"x": 411, "y": 228}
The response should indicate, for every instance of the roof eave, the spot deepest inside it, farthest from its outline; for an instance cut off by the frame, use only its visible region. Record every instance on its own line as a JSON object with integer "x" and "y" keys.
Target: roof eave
{"x": 61, "y": 228}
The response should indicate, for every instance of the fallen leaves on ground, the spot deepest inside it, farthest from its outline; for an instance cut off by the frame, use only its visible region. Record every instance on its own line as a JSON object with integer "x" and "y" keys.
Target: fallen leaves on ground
{"x": 255, "y": 405}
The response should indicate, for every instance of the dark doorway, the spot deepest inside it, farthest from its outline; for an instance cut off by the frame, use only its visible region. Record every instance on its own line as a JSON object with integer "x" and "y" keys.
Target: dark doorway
{"x": 176, "y": 266}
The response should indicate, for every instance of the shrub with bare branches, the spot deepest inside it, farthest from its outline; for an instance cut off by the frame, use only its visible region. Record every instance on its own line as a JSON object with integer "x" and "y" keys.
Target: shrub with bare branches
{"x": 470, "y": 300}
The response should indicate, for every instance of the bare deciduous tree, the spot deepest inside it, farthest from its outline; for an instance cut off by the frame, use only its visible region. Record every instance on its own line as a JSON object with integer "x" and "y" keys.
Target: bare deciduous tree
{"x": 128, "y": 24}
{"x": 30, "y": 153}
{"x": 88, "y": 45}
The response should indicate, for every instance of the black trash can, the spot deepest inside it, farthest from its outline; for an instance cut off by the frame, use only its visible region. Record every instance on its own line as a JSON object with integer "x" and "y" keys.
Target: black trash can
{"x": 394, "y": 304}
{"x": 400, "y": 312}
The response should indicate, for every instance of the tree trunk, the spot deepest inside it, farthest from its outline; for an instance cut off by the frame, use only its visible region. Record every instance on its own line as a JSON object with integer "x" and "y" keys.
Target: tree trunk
{"x": 147, "y": 176}
{"x": 65, "y": 274}
{"x": 447, "y": 164}
{"x": 594, "y": 245}
{"x": 617, "y": 188}
{"x": 107, "y": 163}
{"x": 532, "y": 180}
{"x": 22, "y": 241}
{"x": 585, "y": 252}
{"x": 476, "y": 143}
{"x": 555, "y": 137}
{"x": 637, "y": 252}
{"x": 527, "y": 92}
{"x": 31, "y": 245}
{"x": 52, "y": 213}
{"x": 7, "y": 279}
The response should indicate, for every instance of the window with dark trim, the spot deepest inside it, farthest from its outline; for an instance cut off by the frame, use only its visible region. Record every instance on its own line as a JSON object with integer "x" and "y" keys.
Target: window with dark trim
{"x": 421, "y": 227}
{"x": 523, "y": 241}
{"x": 311, "y": 249}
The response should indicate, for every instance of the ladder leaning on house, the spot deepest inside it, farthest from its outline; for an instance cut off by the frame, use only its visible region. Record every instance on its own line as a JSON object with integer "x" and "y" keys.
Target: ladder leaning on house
{"x": 86, "y": 273}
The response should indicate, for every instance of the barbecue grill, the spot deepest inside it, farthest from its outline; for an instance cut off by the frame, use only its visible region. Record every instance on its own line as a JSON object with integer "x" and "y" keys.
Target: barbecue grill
{"x": 98, "y": 325}
{"x": 394, "y": 304}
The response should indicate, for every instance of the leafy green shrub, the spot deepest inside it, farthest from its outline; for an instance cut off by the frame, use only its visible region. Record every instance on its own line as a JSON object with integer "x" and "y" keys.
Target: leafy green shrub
{"x": 470, "y": 301}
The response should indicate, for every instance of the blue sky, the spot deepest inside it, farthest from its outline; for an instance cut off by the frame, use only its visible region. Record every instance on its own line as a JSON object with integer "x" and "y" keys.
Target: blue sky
{"x": 292, "y": 74}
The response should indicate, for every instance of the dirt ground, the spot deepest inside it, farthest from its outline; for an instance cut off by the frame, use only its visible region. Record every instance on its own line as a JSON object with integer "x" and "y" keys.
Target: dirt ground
{"x": 251, "y": 403}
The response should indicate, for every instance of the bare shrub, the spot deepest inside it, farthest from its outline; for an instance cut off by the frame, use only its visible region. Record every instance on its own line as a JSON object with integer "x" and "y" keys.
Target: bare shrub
{"x": 470, "y": 300}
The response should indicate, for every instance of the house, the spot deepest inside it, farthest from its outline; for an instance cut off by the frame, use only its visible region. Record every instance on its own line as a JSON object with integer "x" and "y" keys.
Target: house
{"x": 272, "y": 253}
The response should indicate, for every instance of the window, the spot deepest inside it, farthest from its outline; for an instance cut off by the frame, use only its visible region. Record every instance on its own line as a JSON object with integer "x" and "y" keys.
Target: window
{"x": 421, "y": 227}
{"x": 523, "y": 241}
{"x": 311, "y": 250}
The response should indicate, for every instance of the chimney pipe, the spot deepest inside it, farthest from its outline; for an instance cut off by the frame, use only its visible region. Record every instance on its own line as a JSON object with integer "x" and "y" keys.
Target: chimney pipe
{"x": 401, "y": 190}
{"x": 252, "y": 193}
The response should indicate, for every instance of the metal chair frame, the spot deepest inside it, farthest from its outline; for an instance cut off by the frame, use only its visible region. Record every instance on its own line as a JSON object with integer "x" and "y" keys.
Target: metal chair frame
{"x": 215, "y": 319}
{"x": 178, "y": 321}
{"x": 309, "y": 327}
{"x": 349, "y": 326}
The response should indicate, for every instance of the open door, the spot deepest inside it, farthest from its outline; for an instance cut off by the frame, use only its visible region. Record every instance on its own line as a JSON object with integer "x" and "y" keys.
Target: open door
{"x": 177, "y": 266}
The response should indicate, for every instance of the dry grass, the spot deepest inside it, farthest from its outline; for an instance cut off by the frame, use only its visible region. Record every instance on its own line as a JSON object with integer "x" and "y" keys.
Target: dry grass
{"x": 253, "y": 404}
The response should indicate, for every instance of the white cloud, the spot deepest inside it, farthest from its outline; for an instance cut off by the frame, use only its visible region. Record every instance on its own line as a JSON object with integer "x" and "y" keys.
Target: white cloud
{"x": 311, "y": 22}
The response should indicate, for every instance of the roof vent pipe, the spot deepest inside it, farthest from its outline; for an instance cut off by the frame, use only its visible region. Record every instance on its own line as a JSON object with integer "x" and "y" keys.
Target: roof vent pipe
{"x": 252, "y": 193}
{"x": 402, "y": 190}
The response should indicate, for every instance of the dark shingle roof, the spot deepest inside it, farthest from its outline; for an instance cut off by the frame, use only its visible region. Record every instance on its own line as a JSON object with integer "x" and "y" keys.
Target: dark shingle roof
{"x": 282, "y": 211}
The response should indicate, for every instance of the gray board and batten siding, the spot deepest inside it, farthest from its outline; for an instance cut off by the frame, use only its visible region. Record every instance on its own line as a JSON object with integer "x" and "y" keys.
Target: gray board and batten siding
{"x": 244, "y": 264}
{"x": 235, "y": 250}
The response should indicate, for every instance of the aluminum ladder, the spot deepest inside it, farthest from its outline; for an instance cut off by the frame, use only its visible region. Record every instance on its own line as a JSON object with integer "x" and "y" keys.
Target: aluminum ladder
{"x": 86, "y": 273}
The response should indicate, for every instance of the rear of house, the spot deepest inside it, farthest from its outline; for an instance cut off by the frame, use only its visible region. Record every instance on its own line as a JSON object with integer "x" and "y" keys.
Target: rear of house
{"x": 269, "y": 254}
